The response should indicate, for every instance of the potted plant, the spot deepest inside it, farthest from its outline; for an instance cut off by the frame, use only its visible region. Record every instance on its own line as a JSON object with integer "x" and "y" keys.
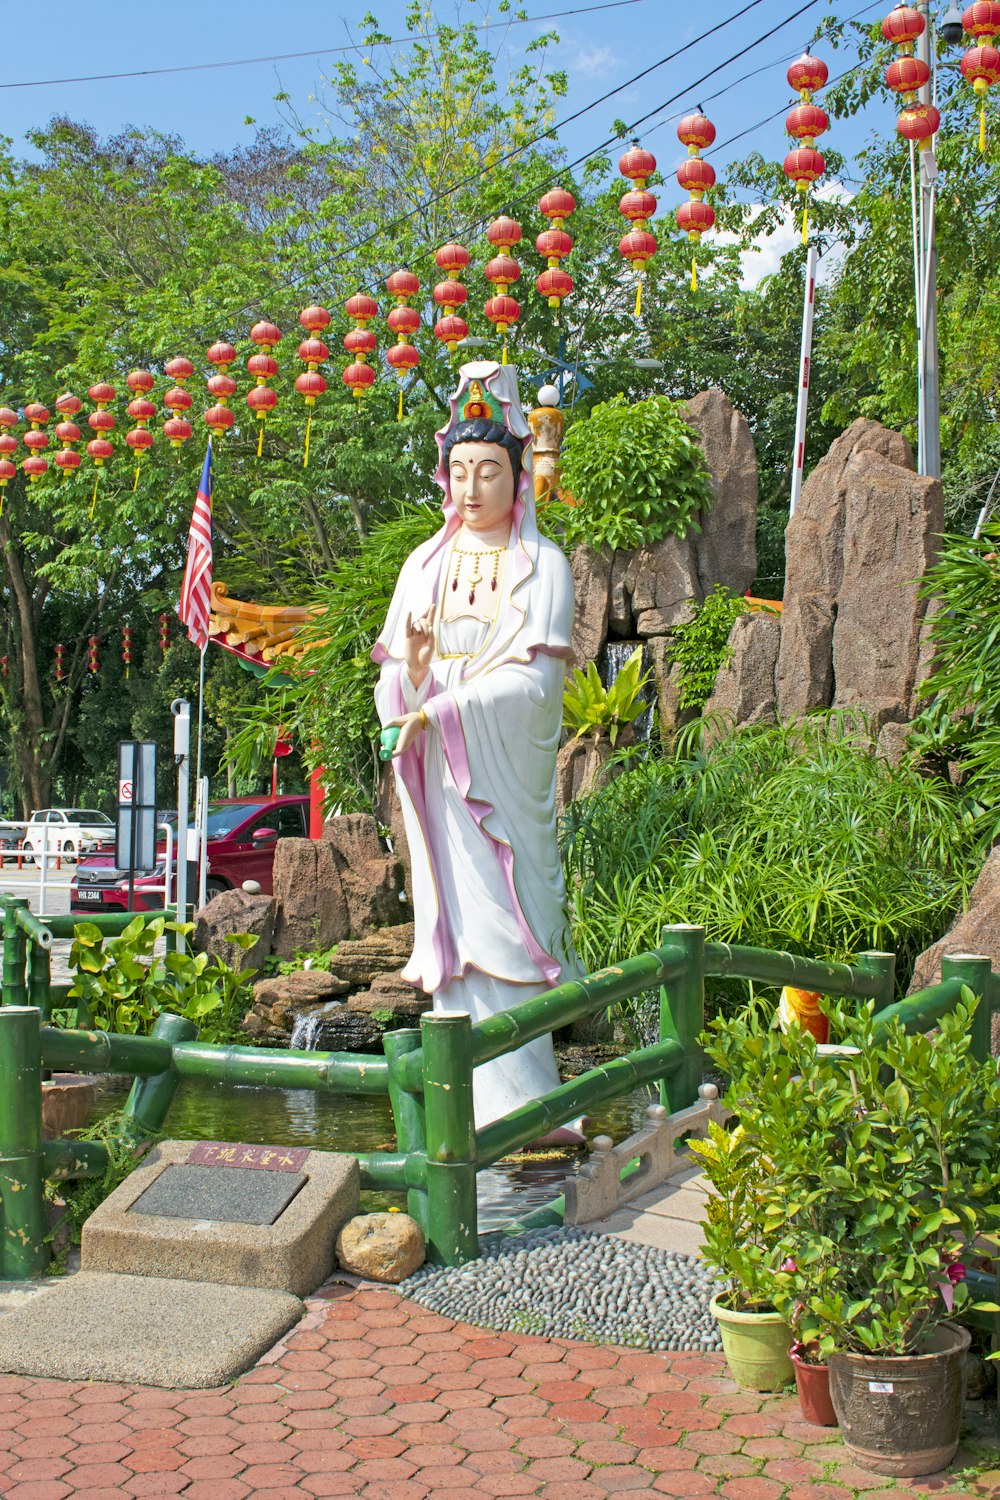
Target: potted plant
{"x": 755, "y": 1336}
{"x": 883, "y": 1173}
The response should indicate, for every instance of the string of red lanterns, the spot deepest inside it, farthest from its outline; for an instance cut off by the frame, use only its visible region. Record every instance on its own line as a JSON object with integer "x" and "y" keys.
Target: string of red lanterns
{"x": 502, "y": 272}
{"x": 127, "y": 648}
{"x": 219, "y": 417}
{"x": 8, "y": 445}
{"x": 981, "y": 63}
{"x": 403, "y": 321}
{"x": 263, "y": 367}
{"x": 638, "y": 206}
{"x": 164, "y": 621}
{"x": 59, "y": 667}
{"x": 142, "y": 411}
{"x": 695, "y": 177}
{"x": 36, "y": 440}
{"x": 311, "y": 384}
{"x": 554, "y": 244}
{"x": 177, "y": 429}
{"x": 805, "y": 165}
{"x": 93, "y": 660}
{"x": 360, "y": 342}
{"x": 917, "y": 122}
{"x": 450, "y": 295}
{"x": 67, "y": 433}
{"x": 100, "y": 448}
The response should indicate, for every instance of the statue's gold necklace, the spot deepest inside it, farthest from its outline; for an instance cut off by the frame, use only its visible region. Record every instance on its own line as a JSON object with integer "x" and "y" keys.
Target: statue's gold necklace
{"x": 473, "y": 572}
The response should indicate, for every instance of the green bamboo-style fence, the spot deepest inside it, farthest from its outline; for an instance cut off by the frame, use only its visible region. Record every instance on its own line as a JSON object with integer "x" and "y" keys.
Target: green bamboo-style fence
{"x": 426, "y": 1073}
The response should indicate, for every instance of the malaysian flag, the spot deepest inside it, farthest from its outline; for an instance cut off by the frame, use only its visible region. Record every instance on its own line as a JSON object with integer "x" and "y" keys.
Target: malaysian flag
{"x": 196, "y": 589}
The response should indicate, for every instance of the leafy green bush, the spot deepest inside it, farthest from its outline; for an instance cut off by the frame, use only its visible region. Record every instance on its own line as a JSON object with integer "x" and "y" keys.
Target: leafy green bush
{"x": 83, "y": 1195}
{"x": 700, "y": 647}
{"x": 963, "y": 721}
{"x": 121, "y": 985}
{"x": 794, "y": 837}
{"x": 589, "y": 706}
{"x": 636, "y": 473}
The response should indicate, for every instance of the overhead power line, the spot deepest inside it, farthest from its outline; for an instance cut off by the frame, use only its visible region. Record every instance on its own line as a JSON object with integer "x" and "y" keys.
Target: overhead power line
{"x": 273, "y": 57}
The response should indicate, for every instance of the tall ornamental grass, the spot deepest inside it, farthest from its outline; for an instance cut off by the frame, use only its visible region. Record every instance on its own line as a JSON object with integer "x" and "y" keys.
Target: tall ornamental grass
{"x": 789, "y": 837}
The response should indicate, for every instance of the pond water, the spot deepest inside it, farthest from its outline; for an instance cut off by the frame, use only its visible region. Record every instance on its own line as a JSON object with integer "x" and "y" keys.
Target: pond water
{"x": 328, "y": 1122}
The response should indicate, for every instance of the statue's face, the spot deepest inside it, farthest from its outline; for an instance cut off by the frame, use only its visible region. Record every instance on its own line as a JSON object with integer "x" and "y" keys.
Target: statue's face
{"x": 482, "y": 484}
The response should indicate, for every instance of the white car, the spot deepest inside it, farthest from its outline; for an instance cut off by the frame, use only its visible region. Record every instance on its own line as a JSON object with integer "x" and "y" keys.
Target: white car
{"x": 67, "y": 831}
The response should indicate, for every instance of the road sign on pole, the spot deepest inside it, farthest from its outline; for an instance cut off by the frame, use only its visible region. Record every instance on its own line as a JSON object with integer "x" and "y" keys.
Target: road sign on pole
{"x": 135, "y": 835}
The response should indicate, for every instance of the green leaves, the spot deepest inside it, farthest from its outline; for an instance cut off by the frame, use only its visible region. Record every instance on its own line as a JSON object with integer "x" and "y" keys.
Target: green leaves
{"x": 636, "y": 473}
{"x": 700, "y": 646}
{"x": 589, "y": 707}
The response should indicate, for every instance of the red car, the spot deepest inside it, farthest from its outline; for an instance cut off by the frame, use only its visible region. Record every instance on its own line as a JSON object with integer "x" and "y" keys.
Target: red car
{"x": 242, "y": 833}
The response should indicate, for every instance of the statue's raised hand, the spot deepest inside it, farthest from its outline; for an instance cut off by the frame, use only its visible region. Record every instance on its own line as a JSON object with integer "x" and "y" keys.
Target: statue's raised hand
{"x": 418, "y": 648}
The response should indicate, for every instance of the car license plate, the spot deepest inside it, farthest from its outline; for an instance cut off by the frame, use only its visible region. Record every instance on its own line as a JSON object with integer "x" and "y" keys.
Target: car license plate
{"x": 82, "y": 894}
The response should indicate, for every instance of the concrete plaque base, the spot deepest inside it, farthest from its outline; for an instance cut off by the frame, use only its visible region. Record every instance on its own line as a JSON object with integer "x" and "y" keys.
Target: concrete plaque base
{"x": 294, "y": 1253}
{"x": 242, "y": 1196}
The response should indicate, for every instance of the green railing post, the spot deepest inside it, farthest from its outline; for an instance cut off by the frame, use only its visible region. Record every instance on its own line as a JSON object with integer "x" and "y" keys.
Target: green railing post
{"x": 408, "y": 1113}
{"x": 977, "y": 972}
{"x": 150, "y": 1098}
{"x": 882, "y": 967}
{"x": 23, "y": 1235}
{"x": 40, "y": 978}
{"x": 682, "y": 1016}
{"x": 452, "y": 1229}
{"x": 14, "y": 990}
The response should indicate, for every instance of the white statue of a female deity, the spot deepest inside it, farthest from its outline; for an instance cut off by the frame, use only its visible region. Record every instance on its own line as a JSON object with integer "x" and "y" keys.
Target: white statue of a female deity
{"x": 473, "y": 658}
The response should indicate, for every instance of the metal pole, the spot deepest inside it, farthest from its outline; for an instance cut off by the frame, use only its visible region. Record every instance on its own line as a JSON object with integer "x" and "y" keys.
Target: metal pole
{"x": 805, "y": 363}
{"x": 931, "y": 414}
{"x": 203, "y": 841}
{"x": 23, "y": 1237}
{"x": 181, "y": 710}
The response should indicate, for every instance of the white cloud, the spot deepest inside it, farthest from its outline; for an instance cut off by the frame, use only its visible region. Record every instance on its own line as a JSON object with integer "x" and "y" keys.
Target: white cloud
{"x": 764, "y": 259}
{"x": 593, "y": 62}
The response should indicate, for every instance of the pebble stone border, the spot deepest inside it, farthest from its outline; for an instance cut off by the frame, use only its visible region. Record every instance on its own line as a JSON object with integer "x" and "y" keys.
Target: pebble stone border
{"x": 573, "y": 1283}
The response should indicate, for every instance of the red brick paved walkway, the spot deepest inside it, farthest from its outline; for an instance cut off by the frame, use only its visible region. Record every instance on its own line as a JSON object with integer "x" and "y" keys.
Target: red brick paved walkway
{"x": 372, "y": 1395}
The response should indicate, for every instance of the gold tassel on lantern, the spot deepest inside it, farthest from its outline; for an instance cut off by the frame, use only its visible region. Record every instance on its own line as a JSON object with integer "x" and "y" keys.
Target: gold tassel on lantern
{"x": 694, "y": 273}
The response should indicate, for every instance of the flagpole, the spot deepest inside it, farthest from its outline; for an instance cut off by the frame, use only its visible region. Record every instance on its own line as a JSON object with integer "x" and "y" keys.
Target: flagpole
{"x": 201, "y": 709}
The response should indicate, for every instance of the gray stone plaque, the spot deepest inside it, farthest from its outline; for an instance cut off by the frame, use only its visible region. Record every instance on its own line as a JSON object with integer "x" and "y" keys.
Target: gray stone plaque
{"x": 248, "y": 1195}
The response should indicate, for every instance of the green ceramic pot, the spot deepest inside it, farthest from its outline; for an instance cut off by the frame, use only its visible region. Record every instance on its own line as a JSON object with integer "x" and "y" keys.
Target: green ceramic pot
{"x": 756, "y": 1346}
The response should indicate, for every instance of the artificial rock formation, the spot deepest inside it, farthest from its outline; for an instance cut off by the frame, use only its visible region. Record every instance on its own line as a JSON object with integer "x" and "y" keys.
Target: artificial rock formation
{"x": 340, "y": 886}
{"x": 726, "y": 547}
{"x": 744, "y": 688}
{"x": 976, "y": 930}
{"x": 230, "y": 912}
{"x": 863, "y": 534}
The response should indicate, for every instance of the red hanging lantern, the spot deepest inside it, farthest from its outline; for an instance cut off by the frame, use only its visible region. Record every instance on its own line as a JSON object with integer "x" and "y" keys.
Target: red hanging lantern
{"x": 4, "y": 666}
{"x": 360, "y": 342}
{"x": 164, "y": 620}
{"x": 67, "y": 405}
{"x": 554, "y": 244}
{"x": 695, "y": 217}
{"x": 917, "y": 122}
{"x": 127, "y": 647}
{"x": 502, "y": 310}
{"x": 67, "y": 433}
{"x": 804, "y": 123}
{"x": 403, "y": 321}
{"x": 806, "y": 75}
{"x": 93, "y": 660}
{"x": 450, "y": 294}
{"x": 902, "y": 26}
{"x": 177, "y": 429}
{"x": 638, "y": 206}
{"x": 8, "y": 446}
{"x": 36, "y": 440}
{"x": 221, "y": 386}
{"x": 314, "y": 352}
{"x": 59, "y": 670}
{"x": 981, "y": 68}
{"x": 263, "y": 367}
{"x": 179, "y": 369}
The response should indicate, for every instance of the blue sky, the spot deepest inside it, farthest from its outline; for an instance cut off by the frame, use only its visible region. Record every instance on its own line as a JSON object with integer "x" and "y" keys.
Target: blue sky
{"x": 600, "y": 49}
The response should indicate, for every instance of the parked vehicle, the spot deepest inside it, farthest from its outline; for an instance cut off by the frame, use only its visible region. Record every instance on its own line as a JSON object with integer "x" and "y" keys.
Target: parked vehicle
{"x": 242, "y": 834}
{"x": 68, "y": 831}
{"x": 10, "y": 840}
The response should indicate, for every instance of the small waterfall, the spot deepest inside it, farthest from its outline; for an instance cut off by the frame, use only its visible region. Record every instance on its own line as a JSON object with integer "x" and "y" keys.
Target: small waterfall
{"x": 616, "y": 654}
{"x": 308, "y": 1025}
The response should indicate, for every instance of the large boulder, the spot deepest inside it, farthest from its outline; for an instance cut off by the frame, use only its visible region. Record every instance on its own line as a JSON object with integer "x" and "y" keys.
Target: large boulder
{"x": 279, "y": 998}
{"x": 825, "y": 558}
{"x": 580, "y": 768}
{"x": 893, "y": 523}
{"x": 744, "y": 691}
{"x": 726, "y": 549}
{"x": 369, "y": 878}
{"x": 384, "y": 952}
{"x": 654, "y": 588}
{"x": 390, "y": 993}
{"x": 230, "y": 912}
{"x": 667, "y": 682}
{"x": 592, "y": 588}
{"x": 312, "y": 903}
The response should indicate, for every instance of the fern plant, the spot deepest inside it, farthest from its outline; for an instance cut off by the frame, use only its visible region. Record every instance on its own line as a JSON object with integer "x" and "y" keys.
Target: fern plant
{"x": 591, "y": 708}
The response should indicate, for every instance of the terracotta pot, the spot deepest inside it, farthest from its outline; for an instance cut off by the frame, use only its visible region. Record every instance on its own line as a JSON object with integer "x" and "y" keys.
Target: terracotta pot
{"x": 756, "y": 1347}
{"x": 68, "y": 1101}
{"x": 901, "y": 1414}
{"x": 813, "y": 1385}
